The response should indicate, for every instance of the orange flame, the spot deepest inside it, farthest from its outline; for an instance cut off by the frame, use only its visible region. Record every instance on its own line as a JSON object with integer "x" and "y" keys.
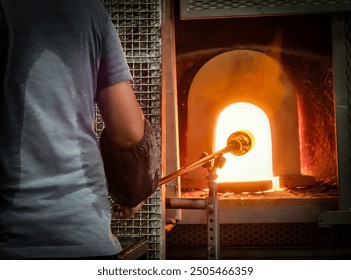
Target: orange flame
{"x": 255, "y": 165}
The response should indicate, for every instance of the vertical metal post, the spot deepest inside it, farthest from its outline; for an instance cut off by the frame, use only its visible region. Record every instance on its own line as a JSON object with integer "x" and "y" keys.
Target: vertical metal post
{"x": 169, "y": 131}
{"x": 212, "y": 219}
{"x": 341, "y": 64}
{"x": 342, "y": 108}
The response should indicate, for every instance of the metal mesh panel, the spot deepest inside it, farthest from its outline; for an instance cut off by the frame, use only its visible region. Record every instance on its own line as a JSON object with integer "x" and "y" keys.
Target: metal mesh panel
{"x": 261, "y": 235}
{"x": 228, "y": 4}
{"x": 226, "y": 8}
{"x": 138, "y": 25}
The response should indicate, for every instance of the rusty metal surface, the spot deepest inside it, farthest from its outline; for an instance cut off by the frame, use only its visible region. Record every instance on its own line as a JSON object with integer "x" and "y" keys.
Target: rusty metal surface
{"x": 133, "y": 248}
{"x": 285, "y": 206}
{"x": 185, "y": 203}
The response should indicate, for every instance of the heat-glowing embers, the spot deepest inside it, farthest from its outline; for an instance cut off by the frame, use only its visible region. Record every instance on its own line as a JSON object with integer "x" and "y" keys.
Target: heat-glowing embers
{"x": 255, "y": 165}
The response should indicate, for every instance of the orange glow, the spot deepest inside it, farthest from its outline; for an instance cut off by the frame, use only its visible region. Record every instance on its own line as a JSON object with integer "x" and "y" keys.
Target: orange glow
{"x": 255, "y": 165}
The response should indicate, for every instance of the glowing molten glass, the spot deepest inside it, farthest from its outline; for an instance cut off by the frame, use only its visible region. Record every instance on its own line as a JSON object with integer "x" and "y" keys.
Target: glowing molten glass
{"x": 255, "y": 165}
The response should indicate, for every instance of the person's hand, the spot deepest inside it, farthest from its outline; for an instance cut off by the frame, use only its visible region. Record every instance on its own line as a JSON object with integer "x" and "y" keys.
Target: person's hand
{"x": 124, "y": 212}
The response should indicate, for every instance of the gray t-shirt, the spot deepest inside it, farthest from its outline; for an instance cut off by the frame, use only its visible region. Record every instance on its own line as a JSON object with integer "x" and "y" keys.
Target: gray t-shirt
{"x": 53, "y": 194}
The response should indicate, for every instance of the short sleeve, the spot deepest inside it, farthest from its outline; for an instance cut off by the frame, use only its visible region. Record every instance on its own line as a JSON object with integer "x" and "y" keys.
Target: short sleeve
{"x": 113, "y": 65}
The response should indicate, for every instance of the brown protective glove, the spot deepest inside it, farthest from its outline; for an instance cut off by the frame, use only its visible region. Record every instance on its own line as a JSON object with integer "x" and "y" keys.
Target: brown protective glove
{"x": 131, "y": 171}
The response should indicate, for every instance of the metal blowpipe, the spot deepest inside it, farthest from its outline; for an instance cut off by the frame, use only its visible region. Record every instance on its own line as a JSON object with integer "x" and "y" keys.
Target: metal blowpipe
{"x": 238, "y": 143}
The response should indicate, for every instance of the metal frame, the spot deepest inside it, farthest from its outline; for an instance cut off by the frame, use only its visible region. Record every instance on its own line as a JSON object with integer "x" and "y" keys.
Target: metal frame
{"x": 342, "y": 88}
{"x": 252, "y": 211}
{"x": 197, "y": 9}
{"x": 170, "y": 151}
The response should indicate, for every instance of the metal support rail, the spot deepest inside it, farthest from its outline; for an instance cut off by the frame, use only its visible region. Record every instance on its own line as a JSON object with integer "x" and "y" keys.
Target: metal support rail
{"x": 238, "y": 144}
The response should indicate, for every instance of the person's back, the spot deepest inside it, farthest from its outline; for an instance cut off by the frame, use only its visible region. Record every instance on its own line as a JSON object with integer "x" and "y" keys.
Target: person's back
{"x": 53, "y": 196}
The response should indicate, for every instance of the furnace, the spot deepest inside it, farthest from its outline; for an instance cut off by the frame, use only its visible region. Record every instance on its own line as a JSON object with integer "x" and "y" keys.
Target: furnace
{"x": 247, "y": 90}
{"x": 290, "y": 127}
{"x": 279, "y": 71}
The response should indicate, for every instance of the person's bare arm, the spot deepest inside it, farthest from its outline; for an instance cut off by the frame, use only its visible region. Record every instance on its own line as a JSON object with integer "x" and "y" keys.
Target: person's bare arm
{"x": 122, "y": 115}
{"x": 127, "y": 130}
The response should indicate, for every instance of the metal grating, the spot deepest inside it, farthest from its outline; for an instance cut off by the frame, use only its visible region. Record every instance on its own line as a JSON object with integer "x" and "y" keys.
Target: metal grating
{"x": 227, "y": 8}
{"x": 228, "y": 4}
{"x": 138, "y": 24}
{"x": 261, "y": 235}
{"x": 204, "y": 5}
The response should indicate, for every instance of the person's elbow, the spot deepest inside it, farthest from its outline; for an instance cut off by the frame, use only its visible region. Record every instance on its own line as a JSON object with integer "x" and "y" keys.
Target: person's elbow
{"x": 128, "y": 136}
